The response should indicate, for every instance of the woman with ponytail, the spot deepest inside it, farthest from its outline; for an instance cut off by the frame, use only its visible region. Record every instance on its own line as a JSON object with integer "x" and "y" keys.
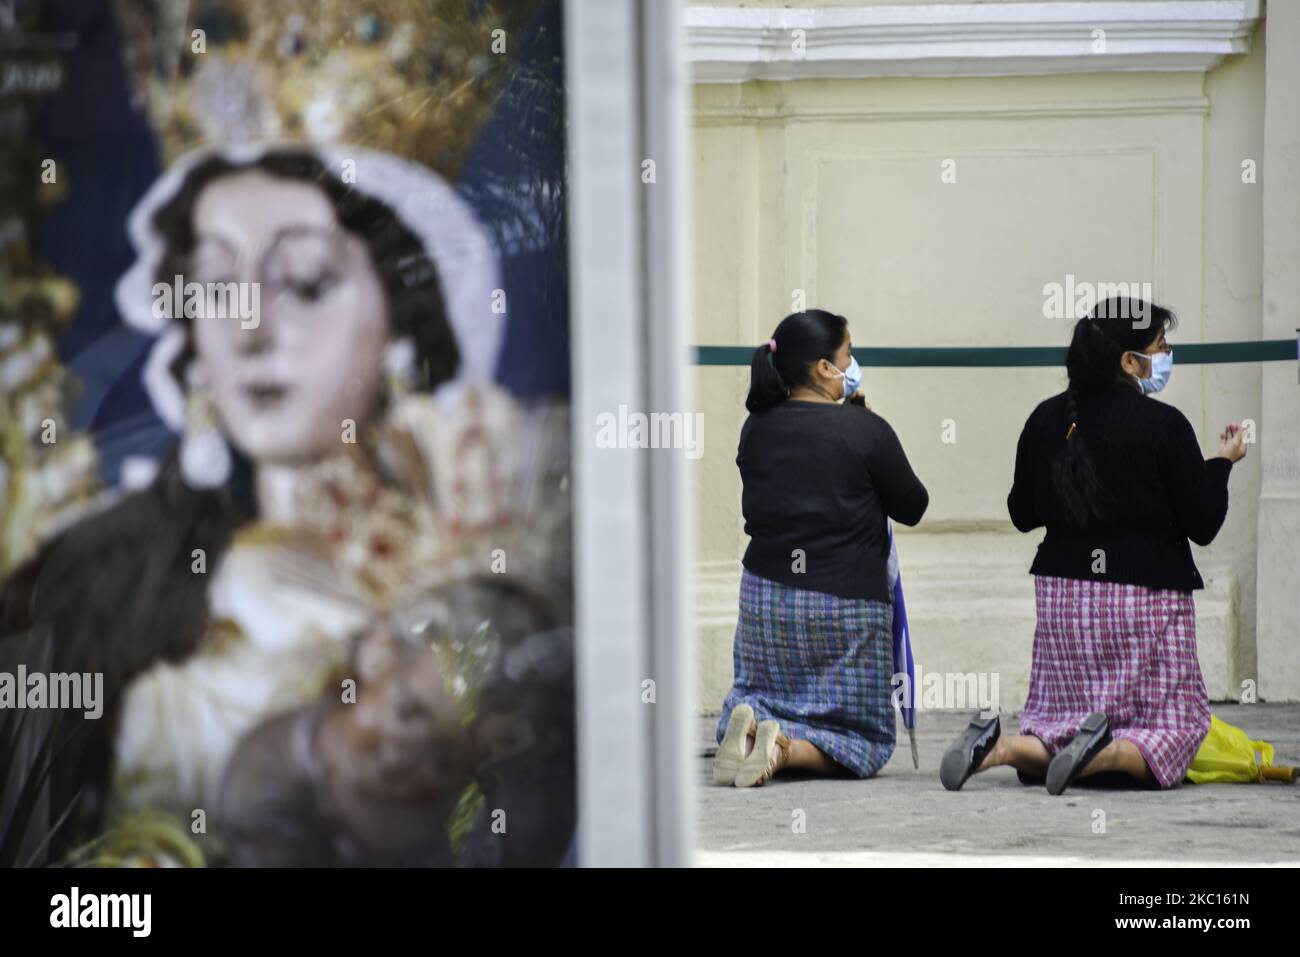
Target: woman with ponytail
{"x": 1120, "y": 485}
{"x": 822, "y": 476}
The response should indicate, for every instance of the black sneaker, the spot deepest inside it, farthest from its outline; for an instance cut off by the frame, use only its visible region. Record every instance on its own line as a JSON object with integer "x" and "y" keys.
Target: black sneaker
{"x": 1093, "y": 735}
{"x": 969, "y": 751}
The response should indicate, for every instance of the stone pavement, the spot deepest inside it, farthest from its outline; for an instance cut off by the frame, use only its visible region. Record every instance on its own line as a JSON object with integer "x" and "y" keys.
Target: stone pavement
{"x": 905, "y": 817}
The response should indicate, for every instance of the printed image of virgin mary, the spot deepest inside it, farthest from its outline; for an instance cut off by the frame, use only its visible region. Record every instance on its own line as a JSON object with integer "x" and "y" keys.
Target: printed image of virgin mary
{"x": 333, "y": 624}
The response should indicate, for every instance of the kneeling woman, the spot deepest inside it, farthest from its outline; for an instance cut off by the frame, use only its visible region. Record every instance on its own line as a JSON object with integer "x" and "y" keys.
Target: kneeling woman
{"x": 813, "y": 648}
{"x": 1119, "y": 482}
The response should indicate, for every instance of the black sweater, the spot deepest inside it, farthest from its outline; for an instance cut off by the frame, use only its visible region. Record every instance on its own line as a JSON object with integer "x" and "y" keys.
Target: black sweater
{"x": 821, "y": 478}
{"x": 1147, "y": 457}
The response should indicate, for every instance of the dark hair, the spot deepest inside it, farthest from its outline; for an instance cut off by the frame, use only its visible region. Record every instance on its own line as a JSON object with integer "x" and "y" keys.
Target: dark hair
{"x": 115, "y": 593}
{"x": 1115, "y": 326}
{"x": 801, "y": 339}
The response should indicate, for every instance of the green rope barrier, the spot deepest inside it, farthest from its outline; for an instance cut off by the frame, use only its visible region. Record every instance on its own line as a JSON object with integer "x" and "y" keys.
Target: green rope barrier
{"x": 994, "y": 357}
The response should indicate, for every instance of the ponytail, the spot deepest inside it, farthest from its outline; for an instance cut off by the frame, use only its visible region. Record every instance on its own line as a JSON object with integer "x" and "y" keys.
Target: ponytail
{"x": 766, "y": 387}
{"x": 785, "y": 360}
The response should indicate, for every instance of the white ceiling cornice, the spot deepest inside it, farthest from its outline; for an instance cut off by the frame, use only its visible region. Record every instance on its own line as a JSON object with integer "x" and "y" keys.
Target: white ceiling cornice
{"x": 737, "y": 44}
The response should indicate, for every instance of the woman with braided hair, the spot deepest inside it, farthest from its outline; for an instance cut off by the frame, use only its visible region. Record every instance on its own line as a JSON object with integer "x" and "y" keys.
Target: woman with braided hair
{"x": 1121, "y": 487}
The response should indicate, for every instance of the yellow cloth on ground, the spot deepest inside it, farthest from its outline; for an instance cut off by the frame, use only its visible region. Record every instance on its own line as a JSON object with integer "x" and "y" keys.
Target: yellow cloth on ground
{"x": 1228, "y": 754}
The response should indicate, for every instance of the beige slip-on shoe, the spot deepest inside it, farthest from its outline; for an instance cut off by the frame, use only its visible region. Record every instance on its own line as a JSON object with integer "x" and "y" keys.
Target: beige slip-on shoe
{"x": 731, "y": 752}
{"x": 771, "y": 751}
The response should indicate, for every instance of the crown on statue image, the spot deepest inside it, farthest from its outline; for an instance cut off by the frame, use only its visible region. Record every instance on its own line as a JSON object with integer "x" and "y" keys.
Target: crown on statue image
{"x": 417, "y": 78}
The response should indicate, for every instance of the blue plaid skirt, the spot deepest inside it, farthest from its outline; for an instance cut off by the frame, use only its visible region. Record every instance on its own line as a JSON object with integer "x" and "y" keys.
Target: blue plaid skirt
{"x": 820, "y": 666}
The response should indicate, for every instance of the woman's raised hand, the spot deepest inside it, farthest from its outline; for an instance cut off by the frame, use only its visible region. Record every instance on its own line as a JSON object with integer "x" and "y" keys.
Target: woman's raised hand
{"x": 1232, "y": 443}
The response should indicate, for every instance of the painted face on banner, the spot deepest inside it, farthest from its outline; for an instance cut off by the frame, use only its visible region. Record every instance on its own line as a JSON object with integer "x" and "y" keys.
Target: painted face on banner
{"x": 286, "y": 378}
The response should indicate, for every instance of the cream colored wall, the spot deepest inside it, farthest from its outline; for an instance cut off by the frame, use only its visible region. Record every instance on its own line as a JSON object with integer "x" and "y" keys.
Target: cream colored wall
{"x": 834, "y": 187}
{"x": 1232, "y": 278}
{"x": 1277, "y": 633}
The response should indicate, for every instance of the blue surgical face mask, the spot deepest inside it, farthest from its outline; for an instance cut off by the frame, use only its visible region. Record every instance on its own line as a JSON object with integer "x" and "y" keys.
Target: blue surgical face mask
{"x": 852, "y": 377}
{"x": 1162, "y": 367}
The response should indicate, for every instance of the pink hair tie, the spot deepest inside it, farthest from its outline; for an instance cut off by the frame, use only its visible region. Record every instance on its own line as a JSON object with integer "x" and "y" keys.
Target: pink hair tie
{"x": 771, "y": 345}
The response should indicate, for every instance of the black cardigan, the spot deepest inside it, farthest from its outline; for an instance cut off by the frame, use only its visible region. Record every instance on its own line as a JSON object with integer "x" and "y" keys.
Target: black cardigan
{"x": 1148, "y": 458}
{"x": 819, "y": 481}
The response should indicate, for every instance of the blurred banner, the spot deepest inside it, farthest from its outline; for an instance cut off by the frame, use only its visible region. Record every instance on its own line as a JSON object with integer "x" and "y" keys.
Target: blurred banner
{"x": 286, "y": 550}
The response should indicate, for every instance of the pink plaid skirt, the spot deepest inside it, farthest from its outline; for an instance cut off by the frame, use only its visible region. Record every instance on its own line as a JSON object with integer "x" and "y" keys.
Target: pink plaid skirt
{"x": 1125, "y": 650}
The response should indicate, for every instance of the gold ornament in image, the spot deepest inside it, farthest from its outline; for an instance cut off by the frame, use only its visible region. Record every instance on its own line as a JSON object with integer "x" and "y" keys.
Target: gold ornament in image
{"x": 417, "y": 78}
